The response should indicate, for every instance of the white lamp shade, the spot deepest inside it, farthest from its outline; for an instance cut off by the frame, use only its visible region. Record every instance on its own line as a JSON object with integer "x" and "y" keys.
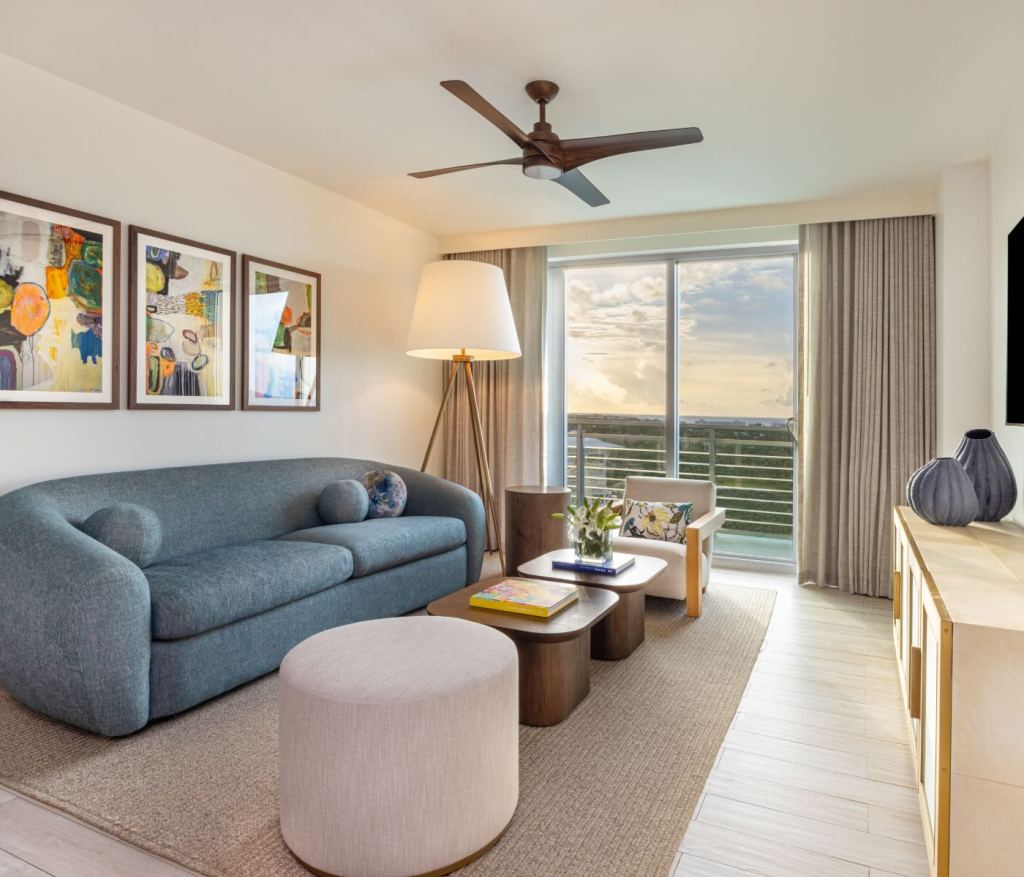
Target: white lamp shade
{"x": 462, "y": 308}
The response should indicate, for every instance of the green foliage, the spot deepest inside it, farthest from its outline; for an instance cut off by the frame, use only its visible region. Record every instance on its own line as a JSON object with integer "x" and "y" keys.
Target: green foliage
{"x": 595, "y": 514}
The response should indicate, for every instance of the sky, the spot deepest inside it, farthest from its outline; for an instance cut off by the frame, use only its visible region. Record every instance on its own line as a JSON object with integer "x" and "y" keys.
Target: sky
{"x": 735, "y": 347}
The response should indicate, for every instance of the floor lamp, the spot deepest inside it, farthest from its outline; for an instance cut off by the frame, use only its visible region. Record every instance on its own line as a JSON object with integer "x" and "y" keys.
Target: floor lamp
{"x": 462, "y": 314}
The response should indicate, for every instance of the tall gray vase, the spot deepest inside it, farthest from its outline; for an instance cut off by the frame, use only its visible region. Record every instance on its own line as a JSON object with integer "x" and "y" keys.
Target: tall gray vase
{"x": 941, "y": 492}
{"x": 990, "y": 473}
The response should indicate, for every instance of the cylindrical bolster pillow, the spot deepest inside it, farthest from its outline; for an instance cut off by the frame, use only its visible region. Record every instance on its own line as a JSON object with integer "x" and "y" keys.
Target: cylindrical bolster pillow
{"x": 343, "y": 502}
{"x": 129, "y": 529}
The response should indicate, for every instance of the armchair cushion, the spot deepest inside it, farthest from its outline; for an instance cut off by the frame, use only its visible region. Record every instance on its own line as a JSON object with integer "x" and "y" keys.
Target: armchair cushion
{"x": 665, "y": 521}
{"x": 672, "y": 582}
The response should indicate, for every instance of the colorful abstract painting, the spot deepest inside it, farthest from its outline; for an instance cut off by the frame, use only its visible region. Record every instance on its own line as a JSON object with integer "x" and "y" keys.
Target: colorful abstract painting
{"x": 182, "y": 344}
{"x": 282, "y": 337}
{"x": 58, "y": 306}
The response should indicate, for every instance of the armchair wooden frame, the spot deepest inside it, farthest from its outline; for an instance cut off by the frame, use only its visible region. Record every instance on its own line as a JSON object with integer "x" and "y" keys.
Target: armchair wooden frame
{"x": 697, "y": 535}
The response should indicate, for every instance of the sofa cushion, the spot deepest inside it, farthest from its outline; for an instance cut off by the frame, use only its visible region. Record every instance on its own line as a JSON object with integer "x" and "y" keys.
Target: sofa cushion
{"x": 131, "y": 530}
{"x": 202, "y": 591}
{"x": 381, "y": 543}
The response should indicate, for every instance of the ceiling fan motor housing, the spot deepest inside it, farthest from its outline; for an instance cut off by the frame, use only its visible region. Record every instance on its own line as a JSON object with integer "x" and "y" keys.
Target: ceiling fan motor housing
{"x": 536, "y": 164}
{"x": 540, "y": 167}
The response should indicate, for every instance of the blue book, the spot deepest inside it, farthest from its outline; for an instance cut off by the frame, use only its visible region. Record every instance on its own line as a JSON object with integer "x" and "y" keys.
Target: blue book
{"x": 566, "y": 559}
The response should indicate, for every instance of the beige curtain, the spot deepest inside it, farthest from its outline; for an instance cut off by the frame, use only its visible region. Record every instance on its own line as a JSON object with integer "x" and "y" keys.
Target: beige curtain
{"x": 867, "y": 372}
{"x": 510, "y": 391}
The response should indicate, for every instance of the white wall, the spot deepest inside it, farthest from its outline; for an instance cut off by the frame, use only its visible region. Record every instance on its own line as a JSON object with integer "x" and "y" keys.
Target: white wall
{"x": 963, "y": 257}
{"x": 1007, "y": 209}
{"x": 78, "y": 149}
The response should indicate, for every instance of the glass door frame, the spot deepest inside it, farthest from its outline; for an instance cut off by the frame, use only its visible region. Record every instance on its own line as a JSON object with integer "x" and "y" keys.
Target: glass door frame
{"x": 555, "y": 403}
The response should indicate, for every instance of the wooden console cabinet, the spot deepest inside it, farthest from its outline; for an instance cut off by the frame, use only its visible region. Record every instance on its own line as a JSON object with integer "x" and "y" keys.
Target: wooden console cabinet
{"x": 958, "y": 628}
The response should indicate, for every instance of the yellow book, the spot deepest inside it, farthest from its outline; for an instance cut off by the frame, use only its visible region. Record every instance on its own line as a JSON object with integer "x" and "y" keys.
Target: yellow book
{"x": 526, "y": 596}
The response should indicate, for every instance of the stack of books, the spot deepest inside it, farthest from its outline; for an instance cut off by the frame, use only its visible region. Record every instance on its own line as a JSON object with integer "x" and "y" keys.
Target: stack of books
{"x": 526, "y": 596}
{"x": 567, "y": 559}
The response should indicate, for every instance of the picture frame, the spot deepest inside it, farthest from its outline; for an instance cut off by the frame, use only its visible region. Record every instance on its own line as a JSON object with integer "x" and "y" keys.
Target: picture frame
{"x": 59, "y": 306}
{"x": 281, "y": 336}
{"x": 181, "y": 323}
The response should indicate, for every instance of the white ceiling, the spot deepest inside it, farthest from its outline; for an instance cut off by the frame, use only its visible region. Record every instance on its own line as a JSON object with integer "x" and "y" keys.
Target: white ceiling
{"x": 798, "y": 99}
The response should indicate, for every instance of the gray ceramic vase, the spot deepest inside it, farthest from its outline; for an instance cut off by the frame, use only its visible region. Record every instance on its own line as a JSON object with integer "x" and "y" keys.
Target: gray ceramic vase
{"x": 941, "y": 492}
{"x": 990, "y": 473}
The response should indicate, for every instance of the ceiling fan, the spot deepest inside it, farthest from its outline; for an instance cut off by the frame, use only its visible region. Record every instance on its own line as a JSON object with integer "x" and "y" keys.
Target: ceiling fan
{"x": 545, "y": 155}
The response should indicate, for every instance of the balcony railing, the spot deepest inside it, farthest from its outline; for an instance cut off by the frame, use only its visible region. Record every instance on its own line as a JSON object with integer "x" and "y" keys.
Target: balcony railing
{"x": 752, "y": 465}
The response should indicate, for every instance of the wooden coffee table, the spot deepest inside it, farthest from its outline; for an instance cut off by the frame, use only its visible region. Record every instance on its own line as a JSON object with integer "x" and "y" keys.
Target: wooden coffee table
{"x": 619, "y": 634}
{"x": 554, "y": 653}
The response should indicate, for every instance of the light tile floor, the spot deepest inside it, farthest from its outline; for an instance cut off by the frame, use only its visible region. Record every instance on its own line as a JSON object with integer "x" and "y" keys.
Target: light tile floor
{"x": 814, "y": 777}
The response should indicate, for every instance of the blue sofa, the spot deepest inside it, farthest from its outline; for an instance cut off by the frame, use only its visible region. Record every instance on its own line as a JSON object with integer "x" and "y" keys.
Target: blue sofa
{"x": 245, "y": 570}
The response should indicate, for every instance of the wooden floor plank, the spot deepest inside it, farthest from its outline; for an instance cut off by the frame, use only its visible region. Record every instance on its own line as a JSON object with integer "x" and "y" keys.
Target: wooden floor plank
{"x": 690, "y": 866}
{"x": 787, "y": 799}
{"x": 762, "y": 856}
{"x": 803, "y": 648}
{"x": 817, "y": 779}
{"x": 11, "y": 866}
{"x": 815, "y": 670}
{"x": 65, "y": 848}
{"x": 6, "y": 796}
{"x": 835, "y": 738}
{"x": 881, "y": 715}
{"x": 895, "y": 823}
{"x": 813, "y": 836}
{"x": 811, "y": 718}
{"x": 797, "y": 753}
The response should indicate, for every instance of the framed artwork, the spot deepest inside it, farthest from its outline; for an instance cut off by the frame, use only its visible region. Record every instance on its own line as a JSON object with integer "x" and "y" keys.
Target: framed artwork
{"x": 281, "y": 325}
{"x": 181, "y": 303}
{"x": 58, "y": 306}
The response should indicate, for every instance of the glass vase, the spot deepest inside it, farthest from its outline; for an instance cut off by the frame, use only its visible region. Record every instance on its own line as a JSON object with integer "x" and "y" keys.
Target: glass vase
{"x": 591, "y": 546}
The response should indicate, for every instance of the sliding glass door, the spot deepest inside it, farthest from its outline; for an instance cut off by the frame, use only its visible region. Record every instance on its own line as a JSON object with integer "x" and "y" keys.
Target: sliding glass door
{"x": 683, "y": 366}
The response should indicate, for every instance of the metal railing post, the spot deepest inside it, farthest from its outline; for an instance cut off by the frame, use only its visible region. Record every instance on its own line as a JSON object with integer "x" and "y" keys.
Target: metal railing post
{"x": 581, "y": 463}
{"x": 712, "y": 453}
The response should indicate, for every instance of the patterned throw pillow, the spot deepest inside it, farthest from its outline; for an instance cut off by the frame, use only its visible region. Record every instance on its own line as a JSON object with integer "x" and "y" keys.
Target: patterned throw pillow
{"x": 666, "y": 521}
{"x": 387, "y": 493}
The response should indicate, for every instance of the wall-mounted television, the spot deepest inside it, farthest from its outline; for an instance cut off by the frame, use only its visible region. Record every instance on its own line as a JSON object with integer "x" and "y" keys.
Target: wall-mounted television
{"x": 1015, "y": 325}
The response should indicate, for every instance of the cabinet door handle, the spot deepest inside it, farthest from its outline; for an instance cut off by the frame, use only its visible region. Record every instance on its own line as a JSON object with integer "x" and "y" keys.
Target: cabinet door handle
{"x": 897, "y": 595}
{"x": 914, "y": 694}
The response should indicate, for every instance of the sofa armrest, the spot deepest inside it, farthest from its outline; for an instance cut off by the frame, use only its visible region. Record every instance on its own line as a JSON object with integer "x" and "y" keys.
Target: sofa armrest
{"x": 430, "y": 495}
{"x": 74, "y": 621}
{"x": 697, "y": 533}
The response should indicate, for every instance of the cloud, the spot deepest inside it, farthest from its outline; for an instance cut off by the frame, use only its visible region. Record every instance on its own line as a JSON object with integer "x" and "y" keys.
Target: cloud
{"x": 736, "y": 326}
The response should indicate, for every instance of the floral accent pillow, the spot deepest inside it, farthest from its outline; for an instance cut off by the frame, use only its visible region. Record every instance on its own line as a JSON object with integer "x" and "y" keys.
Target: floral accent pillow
{"x": 656, "y": 520}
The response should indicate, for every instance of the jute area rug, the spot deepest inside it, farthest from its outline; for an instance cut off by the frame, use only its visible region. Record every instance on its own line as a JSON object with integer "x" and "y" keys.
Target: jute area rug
{"x": 607, "y": 792}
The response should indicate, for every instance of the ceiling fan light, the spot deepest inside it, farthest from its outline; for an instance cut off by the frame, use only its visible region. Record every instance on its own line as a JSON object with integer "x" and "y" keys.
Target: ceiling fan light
{"x": 539, "y": 168}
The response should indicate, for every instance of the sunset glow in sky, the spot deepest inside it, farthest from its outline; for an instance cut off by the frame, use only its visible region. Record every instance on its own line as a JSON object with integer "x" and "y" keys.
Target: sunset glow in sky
{"x": 735, "y": 345}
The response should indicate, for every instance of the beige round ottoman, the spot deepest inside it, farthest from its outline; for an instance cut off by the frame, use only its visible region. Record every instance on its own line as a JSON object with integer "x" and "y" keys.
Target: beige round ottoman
{"x": 399, "y": 746}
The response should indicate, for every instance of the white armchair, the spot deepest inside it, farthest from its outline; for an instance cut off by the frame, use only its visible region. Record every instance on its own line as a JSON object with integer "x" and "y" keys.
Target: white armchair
{"x": 689, "y": 565}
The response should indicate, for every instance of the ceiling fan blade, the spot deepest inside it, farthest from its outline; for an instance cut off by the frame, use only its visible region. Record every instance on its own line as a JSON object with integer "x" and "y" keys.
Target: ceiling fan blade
{"x": 582, "y": 188}
{"x": 587, "y": 149}
{"x": 474, "y": 100}
{"x": 421, "y": 175}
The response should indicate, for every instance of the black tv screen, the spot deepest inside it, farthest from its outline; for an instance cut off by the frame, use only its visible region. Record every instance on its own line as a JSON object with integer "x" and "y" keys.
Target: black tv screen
{"x": 1015, "y": 324}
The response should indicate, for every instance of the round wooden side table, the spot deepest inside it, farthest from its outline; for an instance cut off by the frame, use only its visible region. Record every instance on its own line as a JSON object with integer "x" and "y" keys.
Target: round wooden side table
{"x": 529, "y": 528}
